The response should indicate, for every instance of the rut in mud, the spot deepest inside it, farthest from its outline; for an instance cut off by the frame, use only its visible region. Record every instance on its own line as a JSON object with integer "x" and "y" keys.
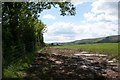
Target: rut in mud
{"x": 72, "y": 64}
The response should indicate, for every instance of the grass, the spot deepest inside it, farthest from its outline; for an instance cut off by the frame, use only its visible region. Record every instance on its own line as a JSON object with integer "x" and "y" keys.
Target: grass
{"x": 17, "y": 69}
{"x": 108, "y": 48}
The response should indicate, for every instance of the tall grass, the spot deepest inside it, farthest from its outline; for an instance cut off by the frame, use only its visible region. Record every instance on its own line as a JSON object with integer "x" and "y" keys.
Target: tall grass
{"x": 18, "y": 68}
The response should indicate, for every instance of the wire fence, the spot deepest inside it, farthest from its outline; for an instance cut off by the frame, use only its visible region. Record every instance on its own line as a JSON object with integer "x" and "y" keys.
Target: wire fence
{"x": 13, "y": 54}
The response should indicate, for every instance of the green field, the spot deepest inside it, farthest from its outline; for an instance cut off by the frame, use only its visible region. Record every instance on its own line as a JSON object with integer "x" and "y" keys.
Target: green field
{"x": 107, "y": 48}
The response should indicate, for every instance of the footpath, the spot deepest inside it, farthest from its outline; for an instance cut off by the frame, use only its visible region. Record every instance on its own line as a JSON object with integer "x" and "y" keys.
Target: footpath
{"x": 72, "y": 64}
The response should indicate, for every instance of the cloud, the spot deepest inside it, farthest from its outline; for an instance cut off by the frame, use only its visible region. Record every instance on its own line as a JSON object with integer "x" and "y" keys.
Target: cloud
{"x": 103, "y": 11}
{"x": 107, "y": 0}
{"x": 48, "y": 16}
{"x": 100, "y": 21}
{"x": 77, "y": 2}
{"x": 65, "y": 32}
{"x": 59, "y": 32}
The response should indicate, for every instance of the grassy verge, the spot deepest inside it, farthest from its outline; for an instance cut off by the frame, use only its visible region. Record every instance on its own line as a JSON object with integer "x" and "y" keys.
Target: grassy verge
{"x": 109, "y": 48}
{"x": 17, "y": 69}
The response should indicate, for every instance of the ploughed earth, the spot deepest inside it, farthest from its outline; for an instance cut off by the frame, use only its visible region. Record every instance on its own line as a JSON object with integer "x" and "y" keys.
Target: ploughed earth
{"x": 72, "y": 64}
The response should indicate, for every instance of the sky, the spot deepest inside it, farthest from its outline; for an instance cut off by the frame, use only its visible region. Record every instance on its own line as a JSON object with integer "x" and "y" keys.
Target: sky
{"x": 94, "y": 19}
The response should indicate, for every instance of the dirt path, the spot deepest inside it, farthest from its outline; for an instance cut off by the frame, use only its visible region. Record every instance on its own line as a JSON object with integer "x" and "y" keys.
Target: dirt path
{"x": 72, "y": 64}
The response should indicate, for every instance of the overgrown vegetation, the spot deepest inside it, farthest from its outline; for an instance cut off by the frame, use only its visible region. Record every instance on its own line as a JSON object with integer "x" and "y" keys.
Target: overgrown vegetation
{"x": 107, "y": 48}
{"x": 22, "y": 33}
{"x": 17, "y": 70}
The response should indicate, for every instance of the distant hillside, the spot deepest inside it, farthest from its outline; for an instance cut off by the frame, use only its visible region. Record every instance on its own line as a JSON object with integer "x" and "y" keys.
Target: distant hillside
{"x": 111, "y": 39}
{"x": 108, "y": 39}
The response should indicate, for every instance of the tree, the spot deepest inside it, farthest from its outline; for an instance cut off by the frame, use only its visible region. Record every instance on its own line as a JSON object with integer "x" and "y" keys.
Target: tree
{"x": 22, "y": 30}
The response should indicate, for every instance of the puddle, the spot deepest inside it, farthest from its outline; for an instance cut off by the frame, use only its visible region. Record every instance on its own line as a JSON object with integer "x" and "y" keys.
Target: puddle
{"x": 86, "y": 54}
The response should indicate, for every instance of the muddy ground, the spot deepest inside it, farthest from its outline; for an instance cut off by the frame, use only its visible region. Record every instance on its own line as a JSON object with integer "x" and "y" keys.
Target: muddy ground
{"x": 72, "y": 64}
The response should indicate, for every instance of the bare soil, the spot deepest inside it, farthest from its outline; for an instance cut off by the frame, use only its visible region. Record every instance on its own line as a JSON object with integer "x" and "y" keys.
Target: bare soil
{"x": 72, "y": 64}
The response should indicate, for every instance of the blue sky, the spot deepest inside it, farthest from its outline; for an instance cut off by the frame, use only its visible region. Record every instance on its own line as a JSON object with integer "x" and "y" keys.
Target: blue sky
{"x": 80, "y": 10}
{"x": 92, "y": 20}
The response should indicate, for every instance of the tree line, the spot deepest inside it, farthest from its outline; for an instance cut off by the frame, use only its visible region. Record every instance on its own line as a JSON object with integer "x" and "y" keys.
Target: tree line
{"x": 22, "y": 32}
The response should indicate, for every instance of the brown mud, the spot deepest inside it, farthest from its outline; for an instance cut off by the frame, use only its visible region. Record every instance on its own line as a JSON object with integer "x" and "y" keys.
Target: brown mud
{"x": 72, "y": 64}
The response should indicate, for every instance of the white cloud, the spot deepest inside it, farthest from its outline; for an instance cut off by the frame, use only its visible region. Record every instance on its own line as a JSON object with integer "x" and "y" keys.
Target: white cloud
{"x": 59, "y": 32}
{"x": 109, "y": 8}
{"x": 64, "y": 32}
{"x": 102, "y": 19}
{"x": 48, "y": 16}
{"x": 107, "y": 0}
{"x": 103, "y": 11}
{"x": 77, "y": 2}
{"x": 99, "y": 22}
